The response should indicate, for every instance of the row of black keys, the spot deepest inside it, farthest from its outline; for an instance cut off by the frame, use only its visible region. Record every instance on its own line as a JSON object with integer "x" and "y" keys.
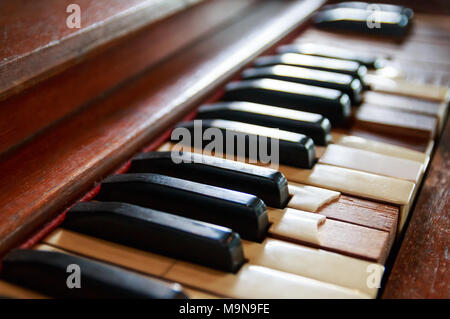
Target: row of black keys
{"x": 303, "y": 91}
{"x": 307, "y": 77}
{"x": 175, "y": 217}
{"x": 174, "y": 209}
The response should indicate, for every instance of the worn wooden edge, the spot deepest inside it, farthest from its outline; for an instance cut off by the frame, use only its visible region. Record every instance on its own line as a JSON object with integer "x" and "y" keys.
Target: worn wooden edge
{"x": 362, "y": 212}
{"x": 21, "y": 72}
{"x": 41, "y": 178}
{"x": 420, "y": 269}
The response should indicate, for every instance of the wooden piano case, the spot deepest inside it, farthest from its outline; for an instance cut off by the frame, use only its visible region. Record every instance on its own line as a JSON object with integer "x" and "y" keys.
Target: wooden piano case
{"x": 76, "y": 105}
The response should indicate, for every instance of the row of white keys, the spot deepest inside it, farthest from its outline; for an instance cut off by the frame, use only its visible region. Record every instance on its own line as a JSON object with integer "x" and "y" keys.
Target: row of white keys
{"x": 291, "y": 277}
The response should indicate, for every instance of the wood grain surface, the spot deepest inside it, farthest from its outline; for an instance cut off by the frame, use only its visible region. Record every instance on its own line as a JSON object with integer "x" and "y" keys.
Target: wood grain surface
{"x": 362, "y": 212}
{"x": 36, "y": 42}
{"x": 24, "y": 115}
{"x": 421, "y": 267}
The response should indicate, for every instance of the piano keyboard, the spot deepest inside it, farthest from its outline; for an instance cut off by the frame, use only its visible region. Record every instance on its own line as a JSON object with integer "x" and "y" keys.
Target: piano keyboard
{"x": 320, "y": 225}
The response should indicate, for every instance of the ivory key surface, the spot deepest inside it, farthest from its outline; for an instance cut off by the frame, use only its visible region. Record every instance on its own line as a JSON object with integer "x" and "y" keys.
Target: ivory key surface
{"x": 312, "y": 263}
{"x": 257, "y": 282}
{"x": 372, "y": 162}
{"x": 380, "y": 148}
{"x": 352, "y": 182}
{"x": 317, "y": 231}
{"x": 310, "y": 198}
{"x": 201, "y": 278}
{"x": 409, "y": 104}
{"x": 408, "y": 88}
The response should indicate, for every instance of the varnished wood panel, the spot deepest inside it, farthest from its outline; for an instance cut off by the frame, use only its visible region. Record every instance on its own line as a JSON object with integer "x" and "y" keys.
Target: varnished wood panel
{"x": 37, "y": 43}
{"x": 421, "y": 267}
{"x": 31, "y": 111}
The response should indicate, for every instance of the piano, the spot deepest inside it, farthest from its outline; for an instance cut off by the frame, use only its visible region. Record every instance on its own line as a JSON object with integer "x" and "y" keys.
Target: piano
{"x": 224, "y": 149}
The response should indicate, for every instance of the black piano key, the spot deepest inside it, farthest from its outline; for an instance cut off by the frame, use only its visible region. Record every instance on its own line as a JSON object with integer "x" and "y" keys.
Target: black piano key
{"x": 314, "y": 125}
{"x": 155, "y": 231}
{"x": 366, "y": 6}
{"x": 377, "y": 22}
{"x": 47, "y": 272}
{"x": 294, "y": 149}
{"x": 267, "y": 184}
{"x": 332, "y": 80}
{"x": 333, "y": 104}
{"x": 244, "y": 213}
{"x": 352, "y": 68}
{"x": 333, "y": 52}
